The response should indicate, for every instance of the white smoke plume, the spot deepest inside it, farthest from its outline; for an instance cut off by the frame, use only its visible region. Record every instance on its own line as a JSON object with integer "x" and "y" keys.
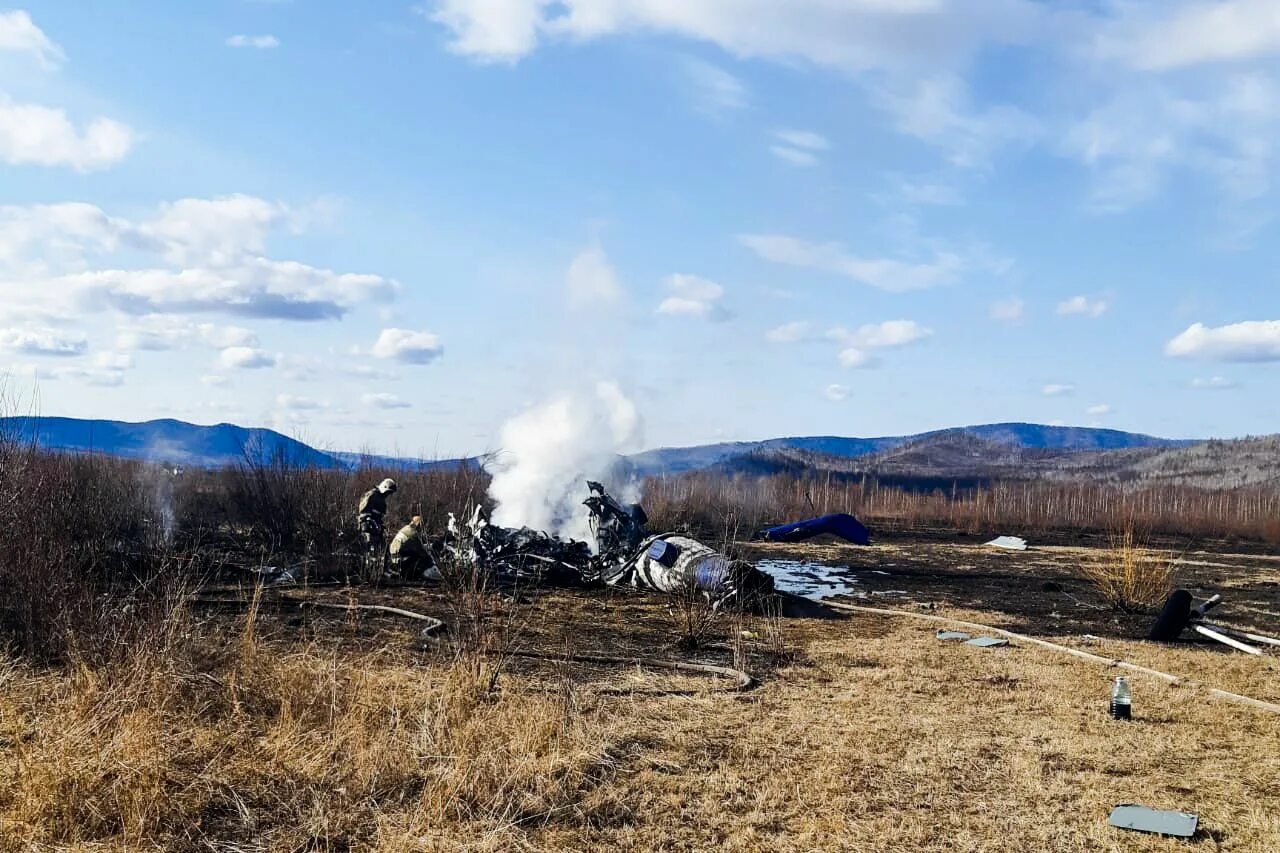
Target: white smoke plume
{"x": 548, "y": 453}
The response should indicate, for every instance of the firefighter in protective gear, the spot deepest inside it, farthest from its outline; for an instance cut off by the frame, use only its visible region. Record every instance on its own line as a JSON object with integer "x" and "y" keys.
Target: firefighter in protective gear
{"x": 372, "y": 514}
{"x": 410, "y": 556}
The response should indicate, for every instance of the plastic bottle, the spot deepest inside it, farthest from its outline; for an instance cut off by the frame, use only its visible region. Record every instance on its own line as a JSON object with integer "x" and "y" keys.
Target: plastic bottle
{"x": 1121, "y": 699}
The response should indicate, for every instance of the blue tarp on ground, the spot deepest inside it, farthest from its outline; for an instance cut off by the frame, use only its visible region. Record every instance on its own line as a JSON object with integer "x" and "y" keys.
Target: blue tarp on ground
{"x": 837, "y": 524}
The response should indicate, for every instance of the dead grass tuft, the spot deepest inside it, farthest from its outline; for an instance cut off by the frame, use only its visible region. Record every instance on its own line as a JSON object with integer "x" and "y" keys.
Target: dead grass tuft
{"x": 282, "y": 748}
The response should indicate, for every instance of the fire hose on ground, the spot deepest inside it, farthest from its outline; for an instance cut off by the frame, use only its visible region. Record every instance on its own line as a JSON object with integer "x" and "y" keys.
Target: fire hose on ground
{"x": 1089, "y": 656}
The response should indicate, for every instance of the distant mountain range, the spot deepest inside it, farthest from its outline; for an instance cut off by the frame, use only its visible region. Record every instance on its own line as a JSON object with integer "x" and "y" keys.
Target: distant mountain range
{"x": 1017, "y": 435}
{"x": 960, "y": 458}
{"x": 180, "y": 443}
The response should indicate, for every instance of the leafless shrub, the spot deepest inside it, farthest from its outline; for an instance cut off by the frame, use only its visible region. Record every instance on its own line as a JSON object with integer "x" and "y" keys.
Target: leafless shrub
{"x": 286, "y": 505}
{"x": 1129, "y": 575}
{"x": 83, "y": 558}
{"x": 694, "y": 618}
{"x": 485, "y": 624}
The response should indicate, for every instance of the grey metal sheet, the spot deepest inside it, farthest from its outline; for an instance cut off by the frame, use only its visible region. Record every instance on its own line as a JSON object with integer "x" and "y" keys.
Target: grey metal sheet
{"x": 1144, "y": 819}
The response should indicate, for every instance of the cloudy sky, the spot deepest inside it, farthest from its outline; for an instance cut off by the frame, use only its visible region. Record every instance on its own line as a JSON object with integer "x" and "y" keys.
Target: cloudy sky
{"x": 391, "y": 226}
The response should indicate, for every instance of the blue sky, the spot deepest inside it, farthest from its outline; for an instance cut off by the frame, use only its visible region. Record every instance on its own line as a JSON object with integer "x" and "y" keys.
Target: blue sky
{"x": 394, "y": 226}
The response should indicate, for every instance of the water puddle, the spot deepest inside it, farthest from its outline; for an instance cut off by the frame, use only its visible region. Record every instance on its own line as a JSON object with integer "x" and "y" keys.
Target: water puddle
{"x": 811, "y": 580}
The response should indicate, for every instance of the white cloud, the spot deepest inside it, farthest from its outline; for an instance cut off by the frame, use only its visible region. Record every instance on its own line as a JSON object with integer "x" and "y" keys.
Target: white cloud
{"x": 106, "y": 378}
{"x": 214, "y": 381}
{"x": 384, "y": 401}
{"x": 280, "y": 290}
{"x": 693, "y": 296}
{"x": 794, "y": 156}
{"x": 937, "y": 110}
{"x": 913, "y": 50}
{"x": 1252, "y": 340}
{"x": 1082, "y": 306}
{"x": 60, "y": 259}
{"x": 302, "y": 368}
{"x": 858, "y": 346}
{"x": 1099, "y": 409}
{"x": 299, "y": 404}
{"x": 245, "y": 358}
{"x": 365, "y": 371}
{"x": 19, "y": 34}
{"x": 836, "y": 392}
{"x": 924, "y": 192}
{"x": 40, "y": 135}
{"x": 1221, "y": 127}
{"x": 43, "y": 342}
{"x": 32, "y": 134}
{"x": 591, "y": 280}
{"x": 1058, "y": 390}
{"x": 714, "y": 90}
{"x": 799, "y": 147}
{"x": 854, "y": 358}
{"x": 1010, "y": 310}
{"x": 882, "y": 273}
{"x": 805, "y": 139}
{"x": 1174, "y": 35}
{"x": 1213, "y": 383}
{"x": 854, "y": 35}
{"x": 489, "y": 30}
{"x": 160, "y": 332}
{"x": 108, "y": 360}
{"x": 407, "y": 346}
{"x": 263, "y": 42}
{"x": 891, "y": 333}
{"x": 37, "y": 238}
{"x": 789, "y": 333}
{"x": 214, "y": 231}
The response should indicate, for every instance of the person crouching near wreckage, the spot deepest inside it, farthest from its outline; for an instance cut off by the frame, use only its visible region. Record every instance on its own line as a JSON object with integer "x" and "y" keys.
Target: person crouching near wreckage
{"x": 372, "y": 514}
{"x": 410, "y": 557}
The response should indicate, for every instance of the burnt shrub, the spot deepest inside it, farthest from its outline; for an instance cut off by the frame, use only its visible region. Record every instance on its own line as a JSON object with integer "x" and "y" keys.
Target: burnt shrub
{"x": 83, "y": 546}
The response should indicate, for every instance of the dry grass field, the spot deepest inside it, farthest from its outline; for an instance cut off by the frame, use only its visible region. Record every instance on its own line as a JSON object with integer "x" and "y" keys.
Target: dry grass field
{"x": 289, "y": 730}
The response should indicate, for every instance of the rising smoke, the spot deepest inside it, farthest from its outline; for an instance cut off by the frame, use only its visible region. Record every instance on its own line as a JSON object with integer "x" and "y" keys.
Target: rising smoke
{"x": 549, "y": 451}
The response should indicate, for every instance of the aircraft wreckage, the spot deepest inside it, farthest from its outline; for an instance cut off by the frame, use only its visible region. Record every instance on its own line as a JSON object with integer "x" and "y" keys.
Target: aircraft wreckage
{"x": 626, "y": 554}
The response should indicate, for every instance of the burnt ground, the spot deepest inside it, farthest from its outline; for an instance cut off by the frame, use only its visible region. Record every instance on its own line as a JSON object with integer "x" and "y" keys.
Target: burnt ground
{"x": 1039, "y": 592}
{"x": 865, "y": 732}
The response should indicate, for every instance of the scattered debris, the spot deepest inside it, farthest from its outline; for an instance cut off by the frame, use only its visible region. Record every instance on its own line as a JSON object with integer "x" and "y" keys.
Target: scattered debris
{"x": 1111, "y": 663}
{"x": 626, "y": 555}
{"x": 980, "y": 642}
{"x": 674, "y": 564}
{"x": 838, "y": 524}
{"x": 1178, "y": 615}
{"x": 1009, "y": 543}
{"x": 524, "y": 556}
{"x": 275, "y": 575}
{"x": 814, "y": 581}
{"x": 1144, "y": 819}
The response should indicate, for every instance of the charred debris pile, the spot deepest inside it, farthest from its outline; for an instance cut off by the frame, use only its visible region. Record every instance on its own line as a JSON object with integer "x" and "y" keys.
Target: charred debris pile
{"x": 627, "y": 554}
